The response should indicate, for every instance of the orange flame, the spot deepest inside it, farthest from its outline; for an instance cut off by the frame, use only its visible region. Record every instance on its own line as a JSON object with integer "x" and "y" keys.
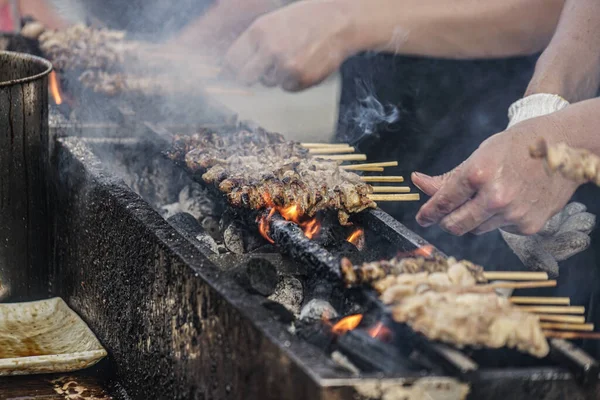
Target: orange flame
{"x": 55, "y": 88}
{"x": 423, "y": 251}
{"x": 310, "y": 226}
{"x": 347, "y": 324}
{"x": 380, "y": 331}
{"x": 357, "y": 238}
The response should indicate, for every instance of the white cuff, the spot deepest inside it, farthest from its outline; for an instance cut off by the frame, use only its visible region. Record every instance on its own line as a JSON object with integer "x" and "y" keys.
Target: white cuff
{"x": 533, "y": 106}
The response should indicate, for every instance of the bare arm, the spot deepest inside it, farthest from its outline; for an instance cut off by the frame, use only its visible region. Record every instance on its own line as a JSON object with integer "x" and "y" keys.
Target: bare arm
{"x": 570, "y": 66}
{"x": 43, "y": 12}
{"x": 456, "y": 28}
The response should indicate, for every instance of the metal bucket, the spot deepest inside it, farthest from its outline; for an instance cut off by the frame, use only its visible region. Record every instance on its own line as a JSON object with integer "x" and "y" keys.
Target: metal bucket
{"x": 24, "y": 152}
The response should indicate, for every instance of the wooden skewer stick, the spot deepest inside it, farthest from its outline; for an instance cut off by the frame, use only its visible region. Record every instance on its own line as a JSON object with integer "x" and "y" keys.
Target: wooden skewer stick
{"x": 395, "y": 197}
{"x": 332, "y": 150}
{"x": 570, "y": 319}
{"x": 344, "y": 157}
{"x": 564, "y": 301}
{"x": 391, "y": 189}
{"x": 572, "y": 335}
{"x": 320, "y": 145}
{"x": 567, "y": 327}
{"x": 521, "y": 285}
{"x": 377, "y": 164}
{"x": 372, "y": 169}
{"x": 515, "y": 276}
{"x": 382, "y": 179}
{"x": 554, "y": 309}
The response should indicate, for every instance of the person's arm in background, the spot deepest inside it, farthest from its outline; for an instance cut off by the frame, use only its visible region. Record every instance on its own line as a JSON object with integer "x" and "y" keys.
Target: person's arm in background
{"x": 221, "y": 24}
{"x": 570, "y": 66}
{"x": 43, "y": 12}
{"x": 500, "y": 185}
{"x": 301, "y": 44}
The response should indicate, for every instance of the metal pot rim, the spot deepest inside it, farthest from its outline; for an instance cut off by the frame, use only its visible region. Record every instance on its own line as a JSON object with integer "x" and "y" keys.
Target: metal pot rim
{"x": 27, "y": 57}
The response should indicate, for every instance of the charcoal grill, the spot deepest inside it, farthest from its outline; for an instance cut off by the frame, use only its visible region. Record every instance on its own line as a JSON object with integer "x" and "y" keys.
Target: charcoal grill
{"x": 179, "y": 323}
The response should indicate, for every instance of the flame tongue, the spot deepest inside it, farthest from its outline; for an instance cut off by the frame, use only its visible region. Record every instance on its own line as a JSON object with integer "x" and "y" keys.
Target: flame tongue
{"x": 357, "y": 238}
{"x": 54, "y": 88}
{"x": 310, "y": 226}
{"x": 347, "y": 324}
{"x": 380, "y": 331}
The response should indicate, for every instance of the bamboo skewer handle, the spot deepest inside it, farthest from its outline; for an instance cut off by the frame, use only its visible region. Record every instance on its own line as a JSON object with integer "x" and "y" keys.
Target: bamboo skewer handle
{"x": 372, "y": 169}
{"x": 572, "y": 335}
{"x": 395, "y": 197}
{"x": 377, "y": 164}
{"x": 561, "y": 301}
{"x": 343, "y": 157}
{"x": 382, "y": 179}
{"x": 391, "y": 189}
{"x": 515, "y": 276}
{"x": 569, "y": 319}
{"x": 521, "y": 285}
{"x": 553, "y": 309}
{"x": 331, "y": 150}
{"x": 567, "y": 327}
{"x": 321, "y": 145}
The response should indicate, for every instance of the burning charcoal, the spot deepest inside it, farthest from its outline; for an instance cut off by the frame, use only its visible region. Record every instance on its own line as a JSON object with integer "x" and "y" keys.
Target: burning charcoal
{"x": 208, "y": 241}
{"x": 233, "y": 236}
{"x": 289, "y": 294}
{"x": 259, "y": 276}
{"x": 317, "y": 309}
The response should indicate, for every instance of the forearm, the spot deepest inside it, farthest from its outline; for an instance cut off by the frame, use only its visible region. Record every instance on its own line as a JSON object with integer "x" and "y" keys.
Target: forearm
{"x": 570, "y": 66}
{"x": 455, "y": 28}
{"x": 578, "y": 123}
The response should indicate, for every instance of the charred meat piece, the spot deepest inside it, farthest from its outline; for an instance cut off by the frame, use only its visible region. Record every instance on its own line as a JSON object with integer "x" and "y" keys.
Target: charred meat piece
{"x": 80, "y": 47}
{"x": 370, "y": 273}
{"x": 578, "y": 165}
{"x": 260, "y": 182}
{"x": 476, "y": 319}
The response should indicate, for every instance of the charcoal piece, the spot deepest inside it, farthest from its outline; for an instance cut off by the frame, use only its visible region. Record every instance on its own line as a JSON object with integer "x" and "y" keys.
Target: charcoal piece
{"x": 208, "y": 241}
{"x": 233, "y": 237}
{"x": 211, "y": 226}
{"x": 261, "y": 276}
{"x": 289, "y": 293}
{"x": 317, "y": 309}
{"x": 187, "y": 222}
{"x": 282, "y": 314}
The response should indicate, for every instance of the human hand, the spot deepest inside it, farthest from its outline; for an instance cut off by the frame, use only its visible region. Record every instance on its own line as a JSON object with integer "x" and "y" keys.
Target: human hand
{"x": 563, "y": 236}
{"x": 499, "y": 185}
{"x": 296, "y": 47}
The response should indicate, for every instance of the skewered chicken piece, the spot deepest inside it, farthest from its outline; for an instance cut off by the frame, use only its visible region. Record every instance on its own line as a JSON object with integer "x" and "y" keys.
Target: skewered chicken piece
{"x": 264, "y": 181}
{"x": 466, "y": 318}
{"x": 81, "y": 47}
{"x": 206, "y": 148}
{"x": 370, "y": 273}
{"x": 578, "y": 165}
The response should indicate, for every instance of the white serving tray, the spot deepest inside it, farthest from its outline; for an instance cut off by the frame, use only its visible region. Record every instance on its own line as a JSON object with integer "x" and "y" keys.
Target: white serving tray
{"x": 45, "y": 337}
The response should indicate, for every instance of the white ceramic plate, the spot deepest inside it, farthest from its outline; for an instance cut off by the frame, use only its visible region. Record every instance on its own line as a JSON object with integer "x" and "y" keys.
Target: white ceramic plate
{"x": 45, "y": 337}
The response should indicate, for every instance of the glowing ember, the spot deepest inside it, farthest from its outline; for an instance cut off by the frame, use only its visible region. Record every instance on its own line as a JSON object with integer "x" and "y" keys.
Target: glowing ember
{"x": 423, "y": 251}
{"x": 54, "y": 88}
{"x": 347, "y": 324}
{"x": 357, "y": 238}
{"x": 310, "y": 226}
{"x": 380, "y": 331}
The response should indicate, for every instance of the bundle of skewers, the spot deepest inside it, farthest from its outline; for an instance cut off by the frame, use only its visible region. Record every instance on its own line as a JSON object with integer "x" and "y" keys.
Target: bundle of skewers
{"x": 257, "y": 169}
{"x": 458, "y": 302}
